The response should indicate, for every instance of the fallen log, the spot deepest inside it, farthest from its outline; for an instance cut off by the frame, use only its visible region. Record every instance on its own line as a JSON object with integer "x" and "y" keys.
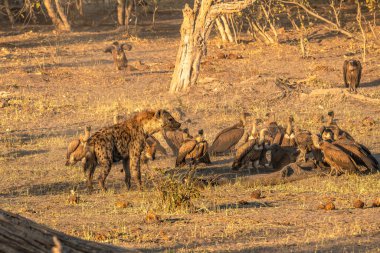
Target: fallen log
{"x": 19, "y": 234}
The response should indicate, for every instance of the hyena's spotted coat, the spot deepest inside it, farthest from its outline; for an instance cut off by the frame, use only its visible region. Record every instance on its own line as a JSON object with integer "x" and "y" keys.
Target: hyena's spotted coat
{"x": 125, "y": 141}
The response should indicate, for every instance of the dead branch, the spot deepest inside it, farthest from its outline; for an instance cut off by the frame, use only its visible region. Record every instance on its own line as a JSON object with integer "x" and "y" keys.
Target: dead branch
{"x": 317, "y": 16}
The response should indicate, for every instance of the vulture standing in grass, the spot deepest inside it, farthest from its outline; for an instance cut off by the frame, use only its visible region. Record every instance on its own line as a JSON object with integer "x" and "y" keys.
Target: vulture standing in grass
{"x": 174, "y": 139}
{"x": 195, "y": 150}
{"x": 333, "y": 126}
{"x": 339, "y": 161}
{"x": 352, "y": 72}
{"x": 288, "y": 138}
{"x": 118, "y": 54}
{"x": 75, "y": 150}
{"x": 227, "y": 139}
{"x": 250, "y": 151}
{"x": 361, "y": 155}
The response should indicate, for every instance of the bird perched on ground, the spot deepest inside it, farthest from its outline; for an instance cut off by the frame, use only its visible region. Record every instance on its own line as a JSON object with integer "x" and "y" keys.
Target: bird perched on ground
{"x": 174, "y": 139}
{"x": 250, "y": 152}
{"x": 333, "y": 126}
{"x": 358, "y": 152}
{"x": 339, "y": 161}
{"x": 229, "y": 137}
{"x": 196, "y": 150}
{"x": 352, "y": 72}
{"x": 76, "y": 148}
{"x": 288, "y": 139}
{"x": 117, "y": 50}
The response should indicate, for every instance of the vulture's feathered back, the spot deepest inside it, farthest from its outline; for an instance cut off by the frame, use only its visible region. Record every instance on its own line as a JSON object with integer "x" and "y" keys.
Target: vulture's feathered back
{"x": 227, "y": 138}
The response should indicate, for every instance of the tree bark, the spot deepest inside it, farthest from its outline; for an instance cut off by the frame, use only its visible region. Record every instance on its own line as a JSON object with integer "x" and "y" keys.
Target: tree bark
{"x": 220, "y": 27}
{"x": 227, "y": 29}
{"x": 121, "y": 12}
{"x": 195, "y": 30}
{"x": 18, "y": 234}
{"x": 79, "y": 4}
{"x": 55, "y": 17}
{"x": 65, "y": 23}
{"x": 9, "y": 12}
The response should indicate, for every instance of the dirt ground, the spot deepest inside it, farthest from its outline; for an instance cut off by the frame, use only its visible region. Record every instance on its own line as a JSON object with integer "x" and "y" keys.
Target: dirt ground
{"x": 59, "y": 83}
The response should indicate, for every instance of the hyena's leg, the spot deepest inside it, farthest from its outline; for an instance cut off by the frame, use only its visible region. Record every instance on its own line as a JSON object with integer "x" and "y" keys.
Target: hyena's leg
{"x": 135, "y": 167}
{"x": 105, "y": 170}
{"x": 127, "y": 171}
{"x": 88, "y": 169}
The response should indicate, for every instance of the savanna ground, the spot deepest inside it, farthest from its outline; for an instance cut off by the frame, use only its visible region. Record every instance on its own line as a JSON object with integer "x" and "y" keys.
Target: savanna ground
{"x": 59, "y": 83}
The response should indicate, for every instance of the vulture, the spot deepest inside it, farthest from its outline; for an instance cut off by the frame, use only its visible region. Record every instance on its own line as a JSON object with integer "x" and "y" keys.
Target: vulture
{"x": 361, "y": 154}
{"x": 304, "y": 143}
{"x": 195, "y": 150}
{"x": 76, "y": 148}
{"x": 333, "y": 126}
{"x": 252, "y": 133}
{"x": 174, "y": 139}
{"x": 352, "y": 72}
{"x": 250, "y": 151}
{"x": 227, "y": 139}
{"x": 338, "y": 159}
{"x": 288, "y": 138}
{"x": 152, "y": 146}
{"x": 117, "y": 50}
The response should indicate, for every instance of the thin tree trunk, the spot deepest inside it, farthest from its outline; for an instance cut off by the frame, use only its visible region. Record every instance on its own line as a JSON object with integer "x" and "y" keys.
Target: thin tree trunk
{"x": 53, "y": 15}
{"x": 9, "y": 12}
{"x": 65, "y": 23}
{"x": 121, "y": 12}
{"x": 227, "y": 29}
{"x": 80, "y": 7}
{"x": 220, "y": 27}
{"x": 128, "y": 13}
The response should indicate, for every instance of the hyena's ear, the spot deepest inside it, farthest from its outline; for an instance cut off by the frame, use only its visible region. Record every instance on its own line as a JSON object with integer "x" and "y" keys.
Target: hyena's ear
{"x": 126, "y": 46}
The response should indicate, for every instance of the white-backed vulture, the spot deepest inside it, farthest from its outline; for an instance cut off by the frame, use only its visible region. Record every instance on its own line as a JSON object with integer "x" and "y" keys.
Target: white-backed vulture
{"x": 227, "y": 139}
{"x": 152, "y": 146}
{"x": 118, "y": 54}
{"x": 352, "y": 73}
{"x": 333, "y": 126}
{"x": 250, "y": 151}
{"x": 288, "y": 139}
{"x": 195, "y": 150}
{"x": 76, "y": 148}
{"x": 338, "y": 159}
{"x": 174, "y": 139}
{"x": 361, "y": 155}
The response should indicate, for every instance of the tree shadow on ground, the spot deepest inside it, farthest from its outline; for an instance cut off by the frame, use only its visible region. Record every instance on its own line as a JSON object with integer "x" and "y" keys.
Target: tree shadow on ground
{"x": 22, "y": 153}
{"x": 373, "y": 83}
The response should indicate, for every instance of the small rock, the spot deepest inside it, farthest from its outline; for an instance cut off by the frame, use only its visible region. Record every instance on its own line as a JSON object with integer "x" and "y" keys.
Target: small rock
{"x": 330, "y": 206}
{"x": 152, "y": 217}
{"x": 358, "y": 203}
{"x": 368, "y": 121}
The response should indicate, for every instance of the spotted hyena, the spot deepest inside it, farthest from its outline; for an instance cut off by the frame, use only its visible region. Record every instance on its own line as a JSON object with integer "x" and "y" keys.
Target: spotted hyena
{"x": 125, "y": 142}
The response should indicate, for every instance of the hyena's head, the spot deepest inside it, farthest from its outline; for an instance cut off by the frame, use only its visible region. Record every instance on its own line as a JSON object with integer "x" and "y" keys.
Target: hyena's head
{"x": 154, "y": 121}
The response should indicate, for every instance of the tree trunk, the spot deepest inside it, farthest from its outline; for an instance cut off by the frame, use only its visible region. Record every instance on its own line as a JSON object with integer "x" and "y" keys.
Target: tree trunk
{"x": 58, "y": 23}
{"x": 220, "y": 27}
{"x": 79, "y": 4}
{"x": 195, "y": 30}
{"x": 65, "y": 23}
{"x": 121, "y": 12}
{"x": 18, "y": 234}
{"x": 227, "y": 29}
{"x": 128, "y": 13}
{"x": 9, "y": 12}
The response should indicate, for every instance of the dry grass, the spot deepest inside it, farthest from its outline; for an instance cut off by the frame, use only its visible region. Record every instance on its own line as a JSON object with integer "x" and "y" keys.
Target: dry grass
{"x": 56, "y": 87}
